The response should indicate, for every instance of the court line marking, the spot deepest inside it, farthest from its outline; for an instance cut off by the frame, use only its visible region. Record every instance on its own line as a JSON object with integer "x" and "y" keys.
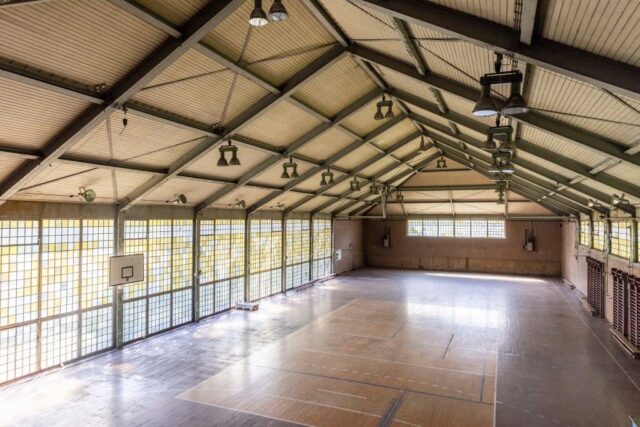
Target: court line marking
{"x": 410, "y": 341}
{"x": 495, "y": 395}
{"x": 343, "y": 394}
{"x": 409, "y": 390}
{"x": 316, "y": 403}
{"x": 392, "y": 361}
{"x": 244, "y": 412}
{"x": 597, "y": 339}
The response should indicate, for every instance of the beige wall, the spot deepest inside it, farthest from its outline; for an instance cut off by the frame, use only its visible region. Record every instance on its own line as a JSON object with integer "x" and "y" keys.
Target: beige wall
{"x": 348, "y": 236}
{"x": 574, "y": 265}
{"x": 480, "y": 255}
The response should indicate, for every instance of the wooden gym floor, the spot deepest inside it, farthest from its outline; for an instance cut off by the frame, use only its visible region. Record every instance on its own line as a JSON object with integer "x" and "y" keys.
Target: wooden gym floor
{"x": 375, "y": 347}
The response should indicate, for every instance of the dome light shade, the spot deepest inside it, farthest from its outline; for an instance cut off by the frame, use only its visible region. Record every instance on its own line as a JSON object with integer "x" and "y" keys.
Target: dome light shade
{"x": 486, "y": 105}
{"x": 278, "y": 12}
{"x": 234, "y": 157}
{"x": 88, "y": 195}
{"x": 515, "y": 103}
{"x": 378, "y": 115}
{"x": 258, "y": 18}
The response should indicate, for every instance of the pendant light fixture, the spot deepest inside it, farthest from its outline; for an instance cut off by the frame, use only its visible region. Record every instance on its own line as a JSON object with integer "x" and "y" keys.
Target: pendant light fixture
{"x": 328, "y": 174}
{"x": 423, "y": 146}
{"x": 384, "y": 103}
{"x": 515, "y": 103}
{"x": 355, "y": 185}
{"x": 278, "y": 12}
{"x": 373, "y": 188}
{"x": 399, "y": 197}
{"x": 441, "y": 163}
{"x": 222, "y": 161}
{"x": 240, "y": 204}
{"x": 258, "y": 18}
{"x": 501, "y": 197}
{"x": 290, "y": 165}
{"x": 487, "y": 105}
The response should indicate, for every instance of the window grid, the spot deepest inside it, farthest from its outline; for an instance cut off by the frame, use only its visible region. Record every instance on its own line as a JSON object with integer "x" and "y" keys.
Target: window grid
{"x": 322, "y": 248}
{"x": 265, "y": 256}
{"x": 598, "y": 235}
{"x": 63, "y": 297}
{"x": 163, "y": 299}
{"x": 445, "y": 228}
{"x": 585, "y": 232}
{"x": 459, "y": 228}
{"x": 621, "y": 239}
{"x": 297, "y": 252}
{"x": 463, "y": 228}
{"x": 60, "y": 292}
{"x": 222, "y": 254}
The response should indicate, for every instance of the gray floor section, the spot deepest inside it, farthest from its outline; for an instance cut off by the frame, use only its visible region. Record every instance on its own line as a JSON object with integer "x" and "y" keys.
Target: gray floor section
{"x": 556, "y": 364}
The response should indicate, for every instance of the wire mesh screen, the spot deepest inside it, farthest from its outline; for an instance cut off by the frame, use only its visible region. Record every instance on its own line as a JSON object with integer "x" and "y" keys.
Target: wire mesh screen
{"x": 297, "y": 252}
{"x": 322, "y": 248}
{"x": 222, "y": 262}
{"x": 265, "y": 255}
{"x": 57, "y": 307}
{"x": 164, "y": 299}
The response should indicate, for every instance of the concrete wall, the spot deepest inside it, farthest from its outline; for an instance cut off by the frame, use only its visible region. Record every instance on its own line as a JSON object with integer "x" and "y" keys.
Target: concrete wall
{"x": 348, "y": 236}
{"x": 456, "y": 254}
{"x": 574, "y": 266}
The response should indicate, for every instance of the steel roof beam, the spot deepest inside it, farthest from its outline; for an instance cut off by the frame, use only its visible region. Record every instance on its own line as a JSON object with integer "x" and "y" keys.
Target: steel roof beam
{"x": 195, "y": 29}
{"x": 386, "y": 153}
{"x": 150, "y": 17}
{"x": 291, "y": 149}
{"x": 535, "y": 168}
{"x": 380, "y": 174}
{"x": 535, "y": 120}
{"x": 450, "y": 200}
{"x": 528, "y": 147}
{"x": 405, "y": 174}
{"x": 526, "y": 190}
{"x": 327, "y": 163}
{"x": 447, "y": 187}
{"x": 575, "y": 202}
{"x": 578, "y": 64}
{"x": 258, "y": 109}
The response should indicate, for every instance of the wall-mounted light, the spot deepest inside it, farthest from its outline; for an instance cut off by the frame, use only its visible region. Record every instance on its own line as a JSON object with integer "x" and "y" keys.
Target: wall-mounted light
{"x": 327, "y": 178}
{"x": 178, "y": 199}
{"x": 619, "y": 200}
{"x": 384, "y": 103}
{"x": 87, "y": 194}
{"x": 222, "y": 161}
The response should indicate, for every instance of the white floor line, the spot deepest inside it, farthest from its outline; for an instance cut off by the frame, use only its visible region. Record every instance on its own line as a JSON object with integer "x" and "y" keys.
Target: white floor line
{"x": 495, "y": 395}
{"x": 342, "y": 394}
{"x": 245, "y": 412}
{"x": 392, "y": 361}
